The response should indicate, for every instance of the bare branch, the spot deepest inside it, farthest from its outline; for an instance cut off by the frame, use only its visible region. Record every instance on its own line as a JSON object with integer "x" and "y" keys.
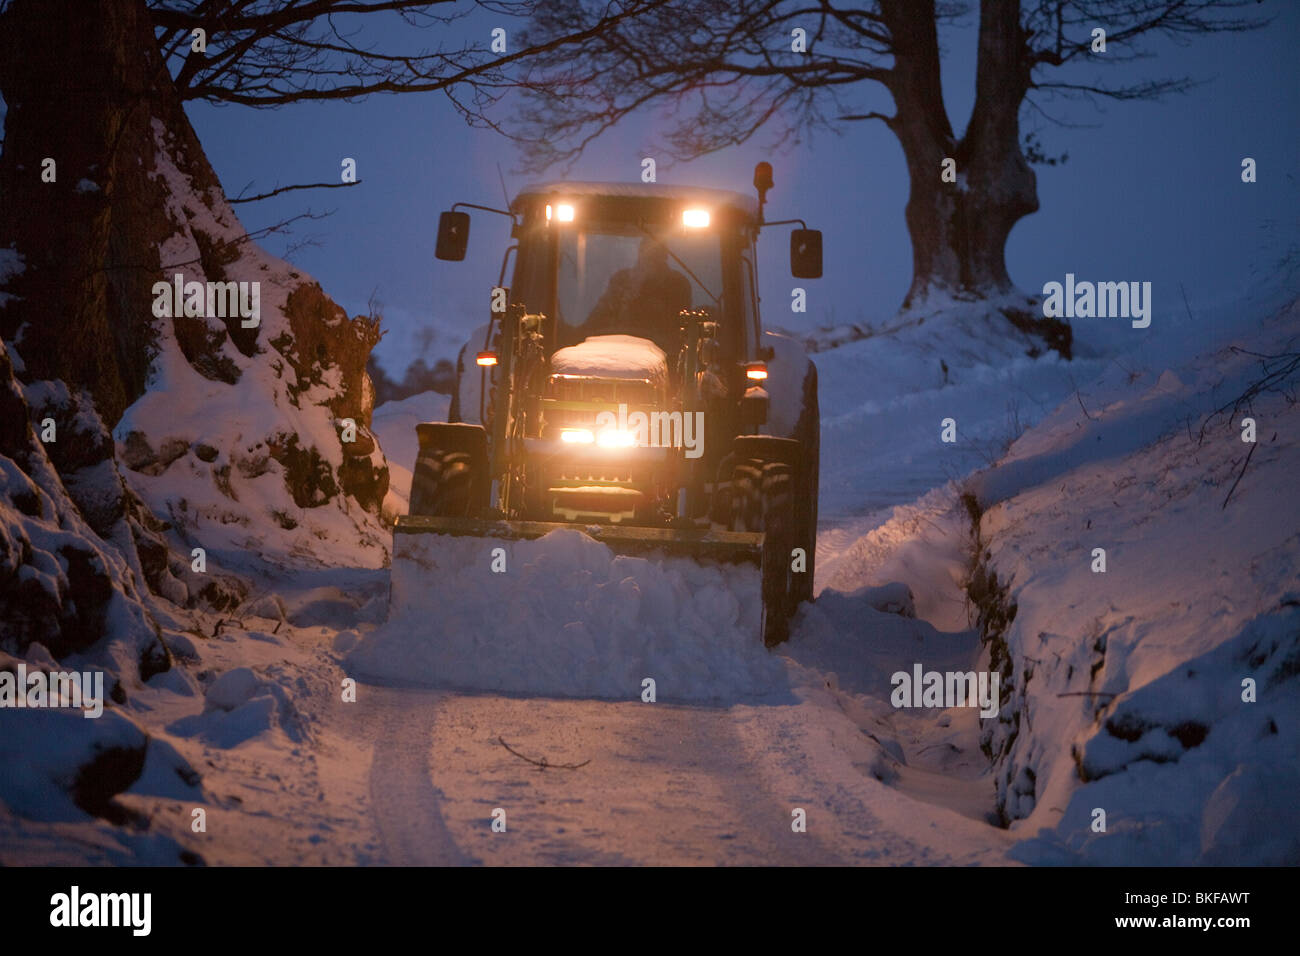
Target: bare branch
{"x": 280, "y": 227}
{"x": 265, "y": 53}
{"x": 1241, "y": 474}
{"x": 542, "y": 763}
{"x": 285, "y": 189}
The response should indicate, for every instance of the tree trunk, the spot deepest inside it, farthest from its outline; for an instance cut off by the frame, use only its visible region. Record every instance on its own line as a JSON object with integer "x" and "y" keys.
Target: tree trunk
{"x": 959, "y": 230}
{"x": 82, "y": 79}
{"x": 926, "y": 136}
{"x": 1001, "y": 186}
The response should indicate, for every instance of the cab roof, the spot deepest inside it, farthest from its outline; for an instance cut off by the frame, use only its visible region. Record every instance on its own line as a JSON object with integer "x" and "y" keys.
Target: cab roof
{"x": 747, "y": 206}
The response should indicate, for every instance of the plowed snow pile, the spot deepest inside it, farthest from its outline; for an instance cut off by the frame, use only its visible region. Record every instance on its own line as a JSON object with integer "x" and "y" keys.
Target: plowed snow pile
{"x": 567, "y": 617}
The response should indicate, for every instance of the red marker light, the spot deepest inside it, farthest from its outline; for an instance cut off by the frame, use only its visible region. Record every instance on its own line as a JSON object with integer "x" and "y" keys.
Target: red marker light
{"x": 488, "y": 358}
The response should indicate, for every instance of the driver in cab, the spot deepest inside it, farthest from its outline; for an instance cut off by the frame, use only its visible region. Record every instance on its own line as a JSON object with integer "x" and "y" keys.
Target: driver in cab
{"x": 644, "y": 300}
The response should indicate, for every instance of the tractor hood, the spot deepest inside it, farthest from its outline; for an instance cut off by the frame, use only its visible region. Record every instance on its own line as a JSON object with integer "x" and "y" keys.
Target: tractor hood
{"x": 625, "y": 357}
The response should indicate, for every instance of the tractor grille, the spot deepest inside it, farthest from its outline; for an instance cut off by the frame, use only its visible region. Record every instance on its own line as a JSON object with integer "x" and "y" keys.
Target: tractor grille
{"x": 574, "y": 401}
{"x": 557, "y": 415}
{"x": 602, "y": 391}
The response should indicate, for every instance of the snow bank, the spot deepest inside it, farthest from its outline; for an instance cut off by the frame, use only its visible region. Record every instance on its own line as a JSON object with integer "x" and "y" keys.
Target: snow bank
{"x": 885, "y": 398}
{"x": 241, "y": 705}
{"x": 44, "y": 753}
{"x": 569, "y": 618}
{"x": 71, "y": 599}
{"x": 1162, "y": 691}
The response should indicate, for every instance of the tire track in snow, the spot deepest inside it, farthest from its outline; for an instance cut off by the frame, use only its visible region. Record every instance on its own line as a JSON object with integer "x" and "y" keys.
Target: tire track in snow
{"x": 407, "y": 806}
{"x": 668, "y": 784}
{"x": 759, "y": 815}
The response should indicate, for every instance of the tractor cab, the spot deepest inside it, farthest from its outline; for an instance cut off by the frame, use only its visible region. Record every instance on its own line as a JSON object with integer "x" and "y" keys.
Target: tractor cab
{"x": 606, "y": 258}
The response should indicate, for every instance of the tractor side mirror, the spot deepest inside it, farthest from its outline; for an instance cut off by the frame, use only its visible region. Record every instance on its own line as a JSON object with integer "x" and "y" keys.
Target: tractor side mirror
{"x": 805, "y": 253}
{"x": 453, "y": 236}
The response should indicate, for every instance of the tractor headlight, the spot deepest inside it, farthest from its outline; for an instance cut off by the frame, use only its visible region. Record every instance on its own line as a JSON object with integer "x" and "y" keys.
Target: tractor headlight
{"x": 577, "y": 436}
{"x": 563, "y": 212}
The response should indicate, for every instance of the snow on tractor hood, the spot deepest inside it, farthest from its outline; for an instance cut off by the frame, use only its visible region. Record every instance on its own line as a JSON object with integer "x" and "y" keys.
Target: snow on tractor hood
{"x": 613, "y": 356}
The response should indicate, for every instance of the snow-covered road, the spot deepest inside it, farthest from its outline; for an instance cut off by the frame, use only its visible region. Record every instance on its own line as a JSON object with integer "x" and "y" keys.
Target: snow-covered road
{"x": 660, "y": 784}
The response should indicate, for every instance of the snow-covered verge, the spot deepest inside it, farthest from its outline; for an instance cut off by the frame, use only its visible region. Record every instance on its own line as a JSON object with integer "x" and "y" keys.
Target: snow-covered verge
{"x": 73, "y": 600}
{"x": 564, "y": 615}
{"x": 228, "y": 749}
{"x": 1012, "y": 319}
{"x": 203, "y": 738}
{"x": 1196, "y": 596}
{"x": 1161, "y": 691}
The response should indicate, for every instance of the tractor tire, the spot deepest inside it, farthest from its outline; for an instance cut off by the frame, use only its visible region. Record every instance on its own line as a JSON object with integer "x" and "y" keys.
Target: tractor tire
{"x": 808, "y": 433}
{"x": 450, "y": 475}
{"x": 441, "y": 484}
{"x": 763, "y": 499}
{"x": 746, "y": 495}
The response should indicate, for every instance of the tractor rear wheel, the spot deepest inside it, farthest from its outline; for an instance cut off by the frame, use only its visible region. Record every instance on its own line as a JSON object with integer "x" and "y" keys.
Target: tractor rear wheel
{"x": 763, "y": 499}
{"x": 808, "y": 433}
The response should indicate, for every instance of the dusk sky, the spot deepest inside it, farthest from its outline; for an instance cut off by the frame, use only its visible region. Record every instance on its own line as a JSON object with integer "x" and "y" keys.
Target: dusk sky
{"x": 1151, "y": 190}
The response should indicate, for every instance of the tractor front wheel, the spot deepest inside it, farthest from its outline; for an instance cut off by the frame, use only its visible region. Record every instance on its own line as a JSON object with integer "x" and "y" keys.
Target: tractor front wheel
{"x": 450, "y": 476}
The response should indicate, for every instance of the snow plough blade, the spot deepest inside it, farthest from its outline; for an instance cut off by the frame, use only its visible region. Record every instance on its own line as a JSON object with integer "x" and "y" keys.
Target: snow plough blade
{"x": 572, "y": 610}
{"x": 462, "y": 559}
{"x": 706, "y": 545}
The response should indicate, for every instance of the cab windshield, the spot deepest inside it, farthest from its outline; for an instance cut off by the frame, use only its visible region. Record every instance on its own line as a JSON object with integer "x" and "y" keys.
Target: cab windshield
{"x": 623, "y": 278}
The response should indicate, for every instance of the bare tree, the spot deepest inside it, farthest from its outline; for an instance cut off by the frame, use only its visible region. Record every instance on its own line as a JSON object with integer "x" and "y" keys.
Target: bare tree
{"x": 725, "y": 69}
